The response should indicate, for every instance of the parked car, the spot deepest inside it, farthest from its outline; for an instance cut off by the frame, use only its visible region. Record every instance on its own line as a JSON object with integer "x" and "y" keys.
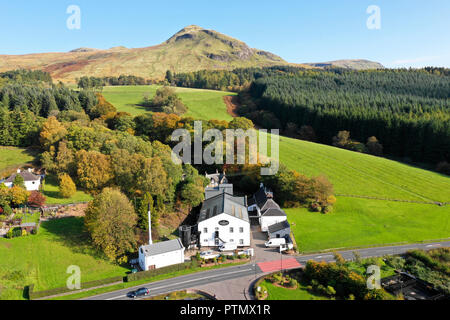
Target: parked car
{"x": 228, "y": 247}
{"x": 142, "y": 292}
{"x": 272, "y": 243}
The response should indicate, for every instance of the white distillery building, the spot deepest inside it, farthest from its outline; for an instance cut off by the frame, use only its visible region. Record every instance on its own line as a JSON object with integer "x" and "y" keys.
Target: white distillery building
{"x": 268, "y": 211}
{"x": 161, "y": 254}
{"x": 32, "y": 181}
{"x": 224, "y": 219}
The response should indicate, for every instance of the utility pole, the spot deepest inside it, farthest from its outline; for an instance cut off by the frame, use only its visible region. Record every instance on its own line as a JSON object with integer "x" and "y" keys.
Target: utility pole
{"x": 149, "y": 225}
{"x": 281, "y": 260}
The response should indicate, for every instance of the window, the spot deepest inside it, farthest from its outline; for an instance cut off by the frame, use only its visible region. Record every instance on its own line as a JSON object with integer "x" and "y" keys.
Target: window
{"x": 217, "y": 228}
{"x": 231, "y": 229}
{"x": 241, "y": 230}
{"x": 206, "y": 240}
{"x": 231, "y": 240}
{"x": 205, "y": 230}
{"x": 241, "y": 241}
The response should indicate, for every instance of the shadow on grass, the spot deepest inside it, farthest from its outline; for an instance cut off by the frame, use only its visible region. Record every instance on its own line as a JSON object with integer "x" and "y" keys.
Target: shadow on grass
{"x": 72, "y": 234}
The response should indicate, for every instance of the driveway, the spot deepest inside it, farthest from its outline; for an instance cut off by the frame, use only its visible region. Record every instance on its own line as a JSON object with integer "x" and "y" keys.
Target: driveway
{"x": 263, "y": 254}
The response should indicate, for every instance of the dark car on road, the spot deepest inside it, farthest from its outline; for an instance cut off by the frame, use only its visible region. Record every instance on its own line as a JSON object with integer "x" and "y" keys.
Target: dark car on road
{"x": 138, "y": 293}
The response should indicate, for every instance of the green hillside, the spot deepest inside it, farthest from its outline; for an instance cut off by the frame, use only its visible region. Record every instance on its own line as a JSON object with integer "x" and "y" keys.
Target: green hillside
{"x": 366, "y": 222}
{"x": 364, "y": 175}
{"x": 202, "y": 104}
{"x": 11, "y": 158}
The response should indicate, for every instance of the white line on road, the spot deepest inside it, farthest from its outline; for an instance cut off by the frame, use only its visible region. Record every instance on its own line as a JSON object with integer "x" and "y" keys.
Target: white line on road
{"x": 187, "y": 281}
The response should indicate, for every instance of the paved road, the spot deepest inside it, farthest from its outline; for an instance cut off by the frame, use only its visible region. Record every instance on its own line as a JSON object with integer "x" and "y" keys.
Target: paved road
{"x": 252, "y": 269}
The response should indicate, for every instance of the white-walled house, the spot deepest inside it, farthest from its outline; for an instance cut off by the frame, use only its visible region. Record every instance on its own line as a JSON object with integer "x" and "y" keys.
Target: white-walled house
{"x": 32, "y": 181}
{"x": 161, "y": 254}
{"x": 224, "y": 219}
{"x": 279, "y": 230}
{"x": 268, "y": 211}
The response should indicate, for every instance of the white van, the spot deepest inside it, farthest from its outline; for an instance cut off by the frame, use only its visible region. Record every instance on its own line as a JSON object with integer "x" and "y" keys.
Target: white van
{"x": 228, "y": 247}
{"x": 276, "y": 242}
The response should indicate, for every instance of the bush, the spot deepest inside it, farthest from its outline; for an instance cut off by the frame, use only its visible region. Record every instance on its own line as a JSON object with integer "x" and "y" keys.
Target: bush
{"x": 67, "y": 187}
{"x": 36, "y": 199}
{"x": 7, "y": 210}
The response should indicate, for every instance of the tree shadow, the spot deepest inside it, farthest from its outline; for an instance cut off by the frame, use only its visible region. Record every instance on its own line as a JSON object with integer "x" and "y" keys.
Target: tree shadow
{"x": 72, "y": 233}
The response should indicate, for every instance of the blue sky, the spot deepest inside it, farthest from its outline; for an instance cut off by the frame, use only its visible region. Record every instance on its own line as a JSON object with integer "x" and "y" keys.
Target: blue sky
{"x": 413, "y": 32}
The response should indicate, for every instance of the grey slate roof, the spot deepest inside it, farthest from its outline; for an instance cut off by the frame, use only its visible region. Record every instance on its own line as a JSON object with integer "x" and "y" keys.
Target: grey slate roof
{"x": 224, "y": 203}
{"x": 279, "y": 226}
{"x": 273, "y": 212}
{"x": 162, "y": 247}
{"x": 270, "y": 204}
{"x": 27, "y": 176}
{"x": 260, "y": 197}
{"x": 214, "y": 191}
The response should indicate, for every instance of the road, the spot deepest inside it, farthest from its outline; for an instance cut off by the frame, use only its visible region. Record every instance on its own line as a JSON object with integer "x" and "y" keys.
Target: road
{"x": 252, "y": 269}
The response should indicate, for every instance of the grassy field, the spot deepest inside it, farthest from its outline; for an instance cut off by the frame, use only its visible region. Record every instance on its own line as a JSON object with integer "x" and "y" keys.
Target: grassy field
{"x": 51, "y": 192}
{"x": 202, "y": 104}
{"x": 365, "y": 222}
{"x": 43, "y": 259}
{"x": 278, "y": 293}
{"x": 361, "y": 174}
{"x": 11, "y": 158}
{"x": 359, "y": 222}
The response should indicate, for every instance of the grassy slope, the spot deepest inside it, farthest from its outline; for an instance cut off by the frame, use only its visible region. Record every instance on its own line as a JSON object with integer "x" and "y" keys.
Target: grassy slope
{"x": 358, "y": 222}
{"x": 51, "y": 192}
{"x": 360, "y": 174}
{"x": 202, "y": 104}
{"x": 11, "y": 157}
{"x": 43, "y": 259}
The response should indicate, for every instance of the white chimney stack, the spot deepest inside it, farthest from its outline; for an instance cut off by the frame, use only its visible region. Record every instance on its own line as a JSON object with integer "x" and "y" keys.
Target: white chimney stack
{"x": 149, "y": 225}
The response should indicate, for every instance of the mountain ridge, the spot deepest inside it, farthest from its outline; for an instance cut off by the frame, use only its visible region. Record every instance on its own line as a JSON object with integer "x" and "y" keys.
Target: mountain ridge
{"x": 193, "y": 48}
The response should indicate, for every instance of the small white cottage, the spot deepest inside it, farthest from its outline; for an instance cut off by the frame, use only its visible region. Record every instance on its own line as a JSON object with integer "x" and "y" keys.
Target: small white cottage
{"x": 161, "y": 254}
{"x": 32, "y": 181}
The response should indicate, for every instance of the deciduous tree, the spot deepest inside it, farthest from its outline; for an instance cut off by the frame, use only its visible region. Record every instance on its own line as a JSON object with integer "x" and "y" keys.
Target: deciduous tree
{"x": 110, "y": 220}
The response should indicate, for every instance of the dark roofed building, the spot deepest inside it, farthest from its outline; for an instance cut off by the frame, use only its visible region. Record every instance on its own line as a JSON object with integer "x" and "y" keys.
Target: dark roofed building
{"x": 268, "y": 212}
{"x": 279, "y": 230}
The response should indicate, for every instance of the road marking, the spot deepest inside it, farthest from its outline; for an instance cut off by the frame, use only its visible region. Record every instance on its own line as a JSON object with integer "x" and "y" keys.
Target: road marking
{"x": 433, "y": 245}
{"x": 186, "y": 281}
{"x": 116, "y": 297}
{"x": 328, "y": 255}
